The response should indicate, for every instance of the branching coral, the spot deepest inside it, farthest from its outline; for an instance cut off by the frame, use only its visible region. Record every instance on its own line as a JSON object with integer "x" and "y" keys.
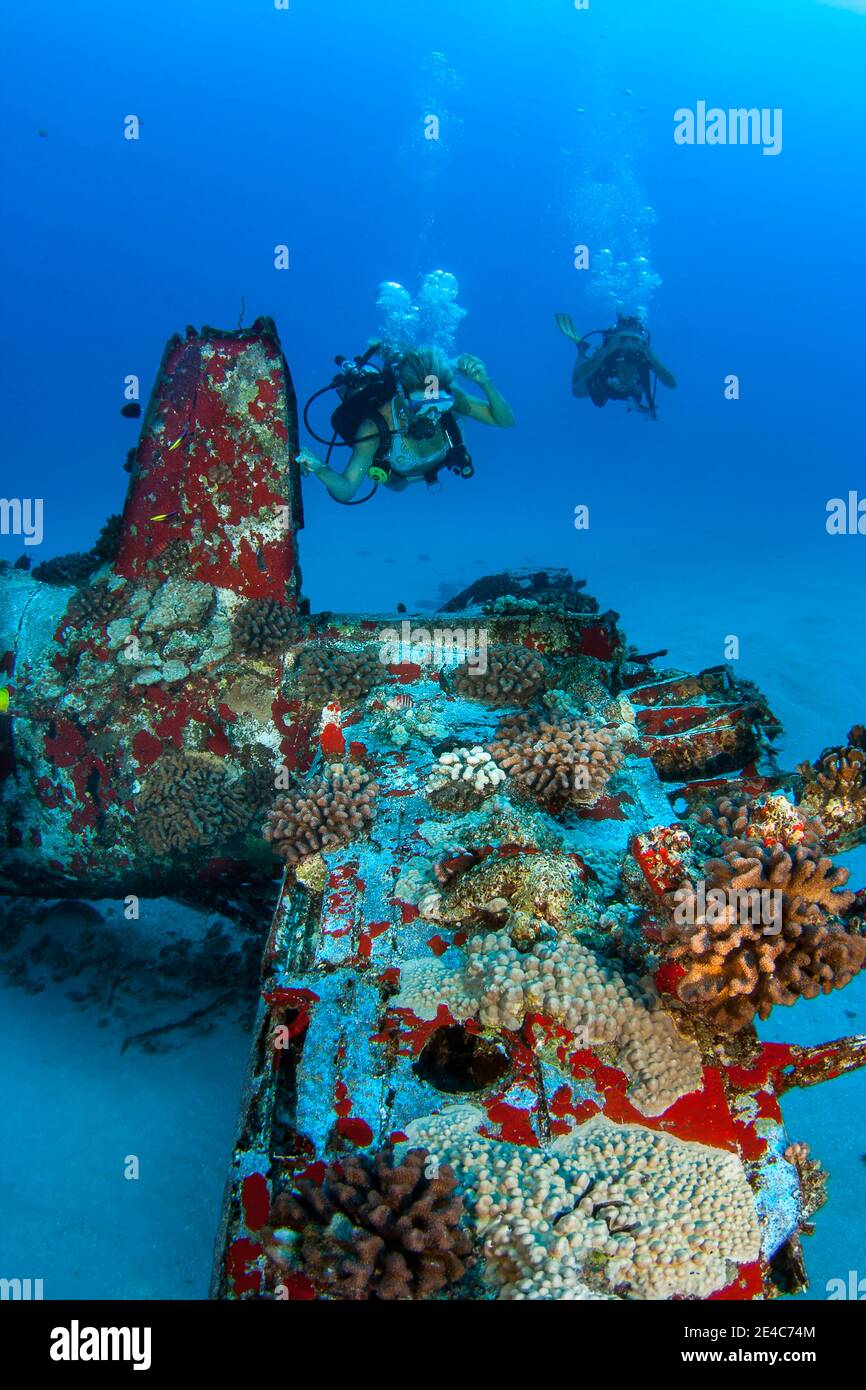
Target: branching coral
{"x": 740, "y": 959}
{"x": 97, "y": 603}
{"x": 512, "y": 676}
{"x": 80, "y": 565}
{"x": 264, "y": 626}
{"x": 323, "y": 814}
{"x": 108, "y": 540}
{"x": 376, "y": 1228}
{"x": 808, "y": 878}
{"x": 564, "y": 981}
{"x": 67, "y": 569}
{"x": 772, "y": 820}
{"x": 834, "y": 788}
{"x": 728, "y": 816}
{"x": 557, "y": 764}
{"x": 609, "y": 1211}
{"x": 188, "y": 800}
{"x": 462, "y": 778}
{"x": 325, "y": 674}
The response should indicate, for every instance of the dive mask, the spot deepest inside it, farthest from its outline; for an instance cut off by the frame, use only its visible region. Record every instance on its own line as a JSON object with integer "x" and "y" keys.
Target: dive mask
{"x": 425, "y": 412}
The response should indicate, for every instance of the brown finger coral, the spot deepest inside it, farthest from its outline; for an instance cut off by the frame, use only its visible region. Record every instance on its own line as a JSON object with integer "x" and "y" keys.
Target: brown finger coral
{"x": 808, "y": 878}
{"x": 834, "y": 788}
{"x": 512, "y": 676}
{"x": 80, "y": 565}
{"x": 189, "y": 800}
{"x": 772, "y": 820}
{"x": 97, "y": 603}
{"x": 322, "y": 814}
{"x": 749, "y": 951}
{"x": 108, "y": 540}
{"x": 264, "y": 626}
{"x": 375, "y": 1229}
{"x": 728, "y": 816}
{"x": 569, "y": 762}
{"x": 67, "y": 569}
{"x": 325, "y": 675}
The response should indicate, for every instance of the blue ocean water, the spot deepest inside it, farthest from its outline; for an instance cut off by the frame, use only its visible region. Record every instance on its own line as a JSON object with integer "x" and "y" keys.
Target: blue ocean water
{"x": 304, "y": 126}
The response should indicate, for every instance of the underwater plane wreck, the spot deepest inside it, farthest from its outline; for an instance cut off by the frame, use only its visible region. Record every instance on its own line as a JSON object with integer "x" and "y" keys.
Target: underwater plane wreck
{"x": 530, "y": 889}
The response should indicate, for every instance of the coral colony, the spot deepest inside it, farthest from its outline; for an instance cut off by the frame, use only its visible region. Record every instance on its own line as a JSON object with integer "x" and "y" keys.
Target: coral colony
{"x": 506, "y": 1044}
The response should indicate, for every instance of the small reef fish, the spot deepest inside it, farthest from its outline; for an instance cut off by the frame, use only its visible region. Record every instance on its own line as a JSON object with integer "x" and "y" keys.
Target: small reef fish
{"x": 179, "y": 440}
{"x": 399, "y": 702}
{"x": 131, "y": 410}
{"x": 4, "y": 700}
{"x": 164, "y": 516}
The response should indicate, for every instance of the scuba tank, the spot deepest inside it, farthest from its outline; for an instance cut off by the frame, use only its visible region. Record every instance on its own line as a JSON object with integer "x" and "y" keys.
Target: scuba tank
{"x": 363, "y": 389}
{"x": 598, "y": 387}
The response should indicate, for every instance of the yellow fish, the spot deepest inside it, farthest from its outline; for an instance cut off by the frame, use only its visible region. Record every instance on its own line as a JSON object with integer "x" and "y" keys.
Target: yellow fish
{"x": 4, "y": 700}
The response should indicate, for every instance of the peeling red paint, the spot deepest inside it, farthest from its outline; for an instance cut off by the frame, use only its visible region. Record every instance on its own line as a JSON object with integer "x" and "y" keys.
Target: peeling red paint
{"x": 515, "y": 1125}
{"x": 407, "y": 672}
{"x": 66, "y": 745}
{"x": 241, "y": 1256}
{"x": 331, "y": 741}
{"x": 256, "y": 1199}
{"x": 356, "y": 1131}
{"x": 146, "y": 748}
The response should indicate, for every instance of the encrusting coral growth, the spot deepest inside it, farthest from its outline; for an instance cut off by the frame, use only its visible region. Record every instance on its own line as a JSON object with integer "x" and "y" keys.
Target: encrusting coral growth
{"x": 557, "y": 764}
{"x": 564, "y": 981}
{"x": 188, "y": 800}
{"x": 326, "y": 675}
{"x": 609, "y": 1211}
{"x": 174, "y": 559}
{"x": 322, "y": 814}
{"x": 462, "y": 778}
{"x": 541, "y": 885}
{"x": 263, "y": 626}
{"x": 376, "y": 1228}
{"x": 554, "y": 589}
{"x": 773, "y": 935}
{"x": 513, "y": 676}
{"x": 834, "y": 788}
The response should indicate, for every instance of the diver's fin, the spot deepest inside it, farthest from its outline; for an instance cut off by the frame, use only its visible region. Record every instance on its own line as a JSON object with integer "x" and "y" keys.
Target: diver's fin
{"x": 565, "y": 325}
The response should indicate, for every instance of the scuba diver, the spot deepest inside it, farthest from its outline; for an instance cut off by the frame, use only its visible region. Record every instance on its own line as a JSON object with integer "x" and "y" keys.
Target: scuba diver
{"x": 622, "y": 367}
{"x": 400, "y": 421}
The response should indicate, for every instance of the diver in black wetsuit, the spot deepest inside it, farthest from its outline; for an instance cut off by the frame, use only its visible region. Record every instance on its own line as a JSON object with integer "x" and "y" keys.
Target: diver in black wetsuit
{"x": 622, "y": 368}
